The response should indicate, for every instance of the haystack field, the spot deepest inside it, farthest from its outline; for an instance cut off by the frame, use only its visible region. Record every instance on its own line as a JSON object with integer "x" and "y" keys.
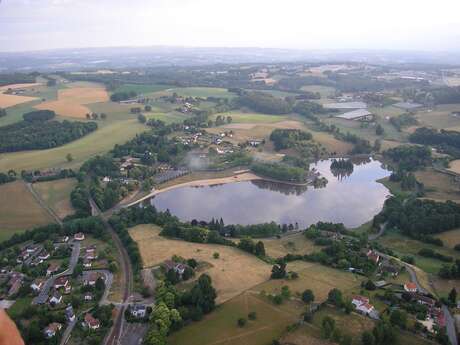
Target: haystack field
{"x": 72, "y": 101}
{"x": 232, "y": 273}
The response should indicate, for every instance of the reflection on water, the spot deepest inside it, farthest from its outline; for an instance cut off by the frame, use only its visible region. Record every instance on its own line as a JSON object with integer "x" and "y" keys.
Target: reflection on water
{"x": 352, "y": 200}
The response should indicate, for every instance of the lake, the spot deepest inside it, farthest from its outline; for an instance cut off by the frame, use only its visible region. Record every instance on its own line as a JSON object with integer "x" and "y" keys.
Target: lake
{"x": 350, "y": 197}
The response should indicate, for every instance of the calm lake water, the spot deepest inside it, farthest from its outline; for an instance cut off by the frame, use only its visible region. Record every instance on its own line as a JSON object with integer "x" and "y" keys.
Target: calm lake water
{"x": 351, "y": 197}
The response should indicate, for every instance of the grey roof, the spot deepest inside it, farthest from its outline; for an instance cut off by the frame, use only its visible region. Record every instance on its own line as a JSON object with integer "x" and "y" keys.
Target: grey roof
{"x": 346, "y": 105}
{"x": 407, "y": 105}
{"x": 355, "y": 114}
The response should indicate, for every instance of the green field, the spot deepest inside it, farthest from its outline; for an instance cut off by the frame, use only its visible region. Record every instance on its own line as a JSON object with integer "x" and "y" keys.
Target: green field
{"x": 440, "y": 117}
{"x": 19, "y": 210}
{"x": 324, "y": 91}
{"x": 240, "y": 117}
{"x": 141, "y": 89}
{"x": 202, "y": 92}
{"x": 403, "y": 245}
{"x": 56, "y": 195}
{"x": 220, "y": 327}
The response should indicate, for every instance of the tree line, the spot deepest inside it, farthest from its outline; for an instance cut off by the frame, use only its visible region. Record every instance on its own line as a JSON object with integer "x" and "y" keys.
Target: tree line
{"x": 288, "y": 138}
{"x": 35, "y": 132}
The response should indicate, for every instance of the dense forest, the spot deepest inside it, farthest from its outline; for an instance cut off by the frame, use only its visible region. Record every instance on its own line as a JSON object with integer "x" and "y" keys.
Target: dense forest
{"x": 265, "y": 103}
{"x": 122, "y": 96}
{"x": 417, "y": 218}
{"x": 446, "y": 141}
{"x": 287, "y": 138}
{"x": 36, "y": 132}
{"x": 280, "y": 172}
{"x": 409, "y": 157}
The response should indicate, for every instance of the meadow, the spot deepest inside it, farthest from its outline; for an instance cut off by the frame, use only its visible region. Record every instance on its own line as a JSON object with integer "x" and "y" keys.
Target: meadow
{"x": 440, "y": 117}
{"x": 56, "y": 195}
{"x": 19, "y": 210}
{"x": 232, "y": 273}
{"x": 289, "y": 244}
{"x": 438, "y": 186}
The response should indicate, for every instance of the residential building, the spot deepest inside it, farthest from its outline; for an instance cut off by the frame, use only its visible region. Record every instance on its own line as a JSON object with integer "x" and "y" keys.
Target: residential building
{"x": 138, "y": 310}
{"x": 69, "y": 313}
{"x": 37, "y": 284}
{"x": 52, "y": 329}
{"x": 52, "y": 268}
{"x": 56, "y": 298}
{"x": 91, "y": 322}
{"x": 79, "y": 236}
{"x": 410, "y": 287}
{"x": 60, "y": 282}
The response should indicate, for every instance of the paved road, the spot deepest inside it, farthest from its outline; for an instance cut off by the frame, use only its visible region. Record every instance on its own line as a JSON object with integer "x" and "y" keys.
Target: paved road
{"x": 44, "y": 292}
{"x": 66, "y": 335}
{"x": 127, "y": 283}
{"x": 133, "y": 334}
{"x": 373, "y": 237}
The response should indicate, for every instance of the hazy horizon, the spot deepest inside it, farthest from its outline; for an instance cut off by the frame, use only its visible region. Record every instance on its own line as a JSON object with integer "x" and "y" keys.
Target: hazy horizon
{"x": 31, "y": 25}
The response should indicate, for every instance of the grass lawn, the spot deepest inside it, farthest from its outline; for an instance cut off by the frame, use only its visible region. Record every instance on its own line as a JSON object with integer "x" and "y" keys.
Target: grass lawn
{"x": 56, "y": 194}
{"x": 98, "y": 142}
{"x": 18, "y": 210}
{"x": 220, "y": 327}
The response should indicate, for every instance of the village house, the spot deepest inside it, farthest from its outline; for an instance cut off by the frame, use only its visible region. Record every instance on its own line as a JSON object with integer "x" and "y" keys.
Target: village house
{"x": 178, "y": 267}
{"x": 87, "y": 263}
{"x": 56, "y": 298}
{"x": 52, "y": 268}
{"x": 79, "y": 236}
{"x": 88, "y": 296}
{"x": 63, "y": 282}
{"x": 362, "y": 305}
{"x": 138, "y": 310}
{"x": 44, "y": 255}
{"x": 64, "y": 239}
{"x": 52, "y": 329}
{"x": 37, "y": 284}
{"x": 90, "y": 279}
{"x": 69, "y": 313}
{"x": 373, "y": 256}
{"x": 425, "y": 300}
{"x": 390, "y": 269}
{"x": 90, "y": 253}
{"x": 90, "y": 322}
{"x": 410, "y": 287}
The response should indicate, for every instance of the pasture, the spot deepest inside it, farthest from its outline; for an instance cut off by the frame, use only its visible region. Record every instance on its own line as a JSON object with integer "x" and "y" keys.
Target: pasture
{"x": 403, "y": 245}
{"x": 56, "y": 195}
{"x": 438, "y": 186}
{"x": 450, "y": 238}
{"x": 97, "y": 142}
{"x": 234, "y": 272}
{"x": 141, "y": 88}
{"x": 19, "y": 210}
{"x": 440, "y": 117}
{"x": 220, "y": 327}
{"x": 73, "y": 100}
{"x": 251, "y": 118}
{"x": 324, "y": 91}
{"x": 290, "y": 244}
{"x": 202, "y": 92}
{"x": 320, "y": 279}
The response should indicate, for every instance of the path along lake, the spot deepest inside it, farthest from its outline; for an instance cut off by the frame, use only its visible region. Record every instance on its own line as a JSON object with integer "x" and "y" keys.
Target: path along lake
{"x": 351, "y": 197}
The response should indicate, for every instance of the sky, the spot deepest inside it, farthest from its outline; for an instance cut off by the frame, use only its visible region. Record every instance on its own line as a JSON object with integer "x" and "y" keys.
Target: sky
{"x": 300, "y": 24}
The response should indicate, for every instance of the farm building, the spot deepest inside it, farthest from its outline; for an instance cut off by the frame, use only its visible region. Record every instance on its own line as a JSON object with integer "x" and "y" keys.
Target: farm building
{"x": 357, "y": 115}
{"x": 346, "y": 105}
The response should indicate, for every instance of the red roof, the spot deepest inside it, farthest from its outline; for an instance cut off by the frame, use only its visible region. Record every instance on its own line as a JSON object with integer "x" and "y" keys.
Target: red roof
{"x": 410, "y": 286}
{"x": 91, "y": 321}
{"x": 361, "y": 299}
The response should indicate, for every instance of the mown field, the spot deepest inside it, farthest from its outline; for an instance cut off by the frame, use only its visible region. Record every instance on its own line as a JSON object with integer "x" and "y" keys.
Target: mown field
{"x": 201, "y": 92}
{"x": 232, "y": 273}
{"x": 72, "y": 101}
{"x": 290, "y": 244}
{"x": 440, "y": 117}
{"x": 19, "y": 210}
{"x": 56, "y": 195}
{"x": 220, "y": 327}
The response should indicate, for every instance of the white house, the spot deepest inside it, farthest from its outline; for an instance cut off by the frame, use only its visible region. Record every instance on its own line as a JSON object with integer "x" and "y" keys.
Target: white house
{"x": 37, "y": 285}
{"x": 56, "y": 298}
{"x": 138, "y": 310}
